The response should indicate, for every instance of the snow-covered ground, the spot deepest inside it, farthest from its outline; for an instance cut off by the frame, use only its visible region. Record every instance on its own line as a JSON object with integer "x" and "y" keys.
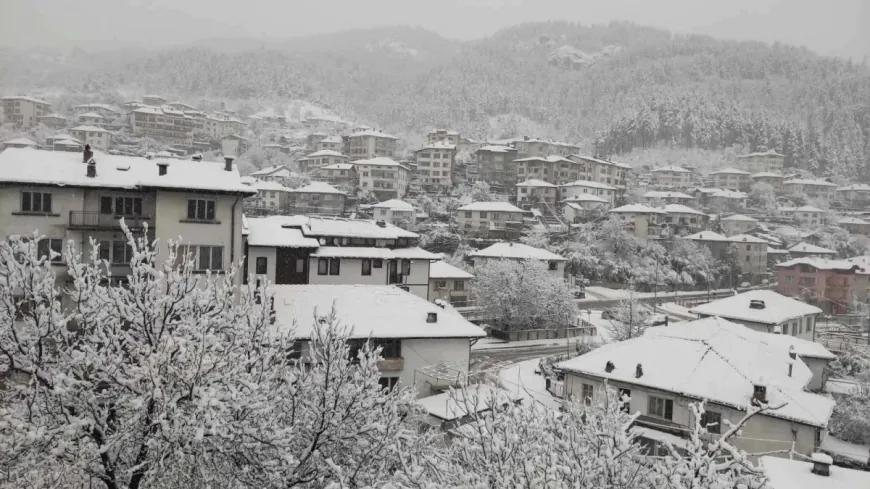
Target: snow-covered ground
{"x": 840, "y": 386}
{"x": 522, "y": 380}
{"x": 852, "y": 451}
{"x": 675, "y": 310}
{"x": 594, "y": 292}
{"x": 496, "y": 344}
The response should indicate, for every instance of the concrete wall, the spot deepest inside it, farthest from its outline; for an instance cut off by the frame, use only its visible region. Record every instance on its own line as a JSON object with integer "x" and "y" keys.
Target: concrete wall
{"x": 268, "y": 252}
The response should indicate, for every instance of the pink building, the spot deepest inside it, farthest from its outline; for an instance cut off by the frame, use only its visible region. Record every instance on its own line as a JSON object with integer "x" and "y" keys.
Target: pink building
{"x": 829, "y": 284}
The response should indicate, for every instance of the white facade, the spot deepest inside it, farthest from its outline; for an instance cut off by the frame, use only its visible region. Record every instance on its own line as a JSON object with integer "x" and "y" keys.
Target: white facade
{"x": 371, "y": 144}
{"x": 584, "y": 187}
{"x": 384, "y": 177}
{"x": 435, "y": 164}
{"x": 23, "y": 112}
{"x": 97, "y": 137}
{"x": 765, "y": 311}
{"x": 738, "y": 224}
{"x": 485, "y": 218}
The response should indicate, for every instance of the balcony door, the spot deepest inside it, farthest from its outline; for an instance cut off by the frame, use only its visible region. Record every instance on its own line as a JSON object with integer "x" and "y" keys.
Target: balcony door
{"x": 291, "y": 266}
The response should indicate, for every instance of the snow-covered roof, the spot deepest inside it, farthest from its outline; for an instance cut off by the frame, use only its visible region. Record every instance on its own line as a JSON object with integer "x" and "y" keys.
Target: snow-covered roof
{"x": 574, "y": 205}
{"x": 372, "y": 311}
{"x": 516, "y": 250}
{"x": 495, "y": 148}
{"x": 271, "y": 170}
{"x": 728, "y": 194}
{"x": 637, "y": 209}
{"x": 586, "y": 198}
{"x": 852, "y": 220}
{"x": 707, "y": 236}
{"x": 62, "y": 136}
{"x": 270, "y": 231}
{"x": 658, "y": 194}
{"x": 681, "y": 209}
{"x": 54, "y": 115}
{"x": 769, "y": 152}
{"x": 784, "y": 473}
{"x": 395, "y": 204}
{"x": 711, "y": 359}
{"x": 490, "y": 207}
{"x": 808, "y": 248}
{"x": 268, "y": 185}
{"x": 331, "y": 139}
{"x": 318, "y": 188}
{"x": 766, "y": 174}
{"x": 739, "y": 217}
{"x": 808, "y": 208}
{"x": 372, "y": 132}
{"x": 66, "y": 142}
{"x": 777, "y": 308}
{"x": 806, "y": 181}
{"x": 476, "y": 398}
{"x": 860, "y": 187}
{"x": 20, "y": 142}
{"x": 92, "y": 115}
{"x": 776, "y": 251}
{"x": 730, "y": 171}
{"x": 380, "y": 161}
{"x": 325, "y": 152}
{"x": 533, "y": 182}
{"x": 746, "y": 238}
{"x": 338, "y": 166}
{"x": 352, "y": 228}
{"x": 589, "y": 184}
{"x": 821, "y": 263}
{"x": 373, "y": 252}
{"x": 602, "y": 162}
{"x": 28, "y": 166}
{"x": 670, "y": 168}
{"x": 442, "y": 145}
{"x": 88, "y": 129}
{"x": 26, "y": 98}
{"x": 442, "y": 269}
{"x": 546, "y": 159}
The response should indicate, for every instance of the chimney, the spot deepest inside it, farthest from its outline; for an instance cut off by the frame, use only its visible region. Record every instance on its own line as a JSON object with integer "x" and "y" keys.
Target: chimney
{"x": 756, "y": 304}
{"x": 432, "y": 317}
{"x": 791, "y": 353}
{"x": 162, "y": 167}
{"x": 87, "y": 155}
{"x": 609, "y": 366}
{"x": 759, "y": 394}
{"x": 381, "y": 223}
{"x": 822, "y": 464}
{"x": 638, "y": 371}
{"x": 92, "y": 168}
{"x": 228, "y": 162}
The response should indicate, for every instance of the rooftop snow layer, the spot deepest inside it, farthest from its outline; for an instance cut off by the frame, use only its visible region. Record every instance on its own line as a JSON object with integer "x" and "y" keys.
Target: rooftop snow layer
{"x": 739, "y": 217}
{"x": 777, "y": 308}
{"x": 783, "y": 473}
{"x": 516, "y": 250}
{"x": 637, "y": 209}
{"x": 318, "y": 188}
{"x": 730, "y": 171}
{"x": 589, "y": 184}
{"x": 394, "y": 204}
{"x": 490, "y": 207}
{"x": 442, "y": 269}
{"x": 804, "y": 247}
{"x": 536, "y": 183}
{"x": 671, "y": 168}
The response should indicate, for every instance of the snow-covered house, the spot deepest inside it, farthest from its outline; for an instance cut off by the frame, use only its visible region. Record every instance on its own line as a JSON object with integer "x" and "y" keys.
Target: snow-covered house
{"x": 423, "y": 345}
{"x": 818, "y": 473}
{"x": 75, "y": 197}
{"x": 435, "y": 165}
{"x": 18, "y": 143}
{"x": 496, "y": 165}
{"x": 91, "y": 119}
{"x": 396, "y": 212}
{"x": 97, "y": 137}
{"x": 737, "y": 224}
{"x": 330, "y": 143}
{"x": 803, "y": 249}
{"x": 533, "y": 191}
{"x": 806, "y": 215}
{"x": 520, "y": 251}
{"x": 384, "y": 177}
{"x": 587, "y": 187}
{"x": 490, "y": 220}
{"x": 280, "y": 174}
{"x": 810, "y": 188}
{"x": 573, "y": 212}
{"x": 233, "y": 144}
{"x": 450, "y": 410}
{"x": 730, "y": 366}
{"x": 763, "y": 161}
{"x": 339, "y": 174}
{"x": 371, "y": 144}
{"x": 641, "y": 220}
{"x": 271, "y": 196}
{"x": 773, "y": 179}
{"x": 603, "y": 171}
{"x": 449, "y": 283}
{"x": 732, "y": 179}
{"x": 671, "y": 176}
{"x": 319, "y": 159}
{"x": 552, "y": 168}
{"x": 658, "y": 197}
{"x": 317, "y": 198}
{"x": 854, "y": 225}
{"x": 682, "y": 218}
{"x": 323, "y": 250}
{"x": 54, "y": 121}
{"x": 830, "y": 284}
{"x": 857, "y": 194}
{"x": 765, "y": 311}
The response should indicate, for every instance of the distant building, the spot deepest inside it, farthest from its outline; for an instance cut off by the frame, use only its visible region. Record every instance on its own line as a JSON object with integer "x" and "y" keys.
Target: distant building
{"x": 384, "y": 177}
{"x": 773, "y": 179}
{"x": 280, "y": 174}
{"x": 732, "y": 179}
{"x": 449, "y": 283}
{"x": 23, "y": 112}
{"x": 765, "y": 311}
{"x": 810, "y": 188}
{"x": 603, "y": 171}
{"x": 532, "y": 147}
{"x": 853, "y": 195}
{"x": 498, "y": 220}
{"x": 321, "y": 158}
{"x": 641, "y": 220}
{"x": 17, "y": 143}
{"x": 518, "y": 251}
{"x": 91, "y": 119}
{"x": 737, "y": 224}
{"x": 54, "y": 121}
{"x": 271, "y": 196}
{"x": 831, "y": 285}
{"x": 532, "y": 192}
{"x": 762, "y": 162}
{"x": 234, "y": 144}
{"x": 671, "y": 177}
{"x": 554, "y": 169}
{"x": 496, "y": 166}
{"x": 818, "y": 473}
{"x": 97, "y": 137}
{"x": 855, "y": 225}
{"x": 317, "y": 198}
{"x": 396, "y": 212}
{"x": 315, "y": 137}
{"x": 804, "y": 249}
{"x": 681, "y": 219}
{"x": 164, "y": 124}
{"x": 371, "y": 144}
{"x": 435, "y": 165}
{"x": 104, "y": 110}
{"x": 330, "y": 143}
{"x": 658, "y": 197}
{"x": 588, "y": 187}
{"x": 444, "y": 136}
{"x": 339, "y": 174}
{"x": 804, "y": 216}
{"x": 153, "y": 100}
{"x": 751, "y": 252}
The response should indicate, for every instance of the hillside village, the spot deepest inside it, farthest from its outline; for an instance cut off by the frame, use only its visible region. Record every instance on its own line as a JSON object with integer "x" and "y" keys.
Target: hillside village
{"x": 753, "y": 279}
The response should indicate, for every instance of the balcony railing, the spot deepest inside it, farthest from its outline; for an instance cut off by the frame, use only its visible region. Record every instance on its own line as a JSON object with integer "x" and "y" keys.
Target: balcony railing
{"x": 98, "y": 220}
{"x": 394, "y": 364}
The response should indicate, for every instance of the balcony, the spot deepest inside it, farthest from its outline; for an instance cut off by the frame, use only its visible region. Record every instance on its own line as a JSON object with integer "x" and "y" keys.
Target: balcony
{"x": 93, "y": 220}
{"x": 394, "y": 364}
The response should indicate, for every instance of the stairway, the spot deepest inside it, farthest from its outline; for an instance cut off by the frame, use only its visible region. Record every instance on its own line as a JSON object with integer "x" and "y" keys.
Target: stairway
{"x": 548, "y": 217}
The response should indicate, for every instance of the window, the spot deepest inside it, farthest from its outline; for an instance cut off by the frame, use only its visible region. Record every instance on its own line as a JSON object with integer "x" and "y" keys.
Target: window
{"x": 406, "y": 267}
{"x": 48, "y": 246}
{"x": 121, "y": 252}
{"x": 200, "y": 209}
{"x": 322, "y": 266}
{"x": 121, "y": 206}
{"x": 661, "y": 408}
{"x": 458, "y": 285}
{"x": 262, "y": 265}
{"x": 388, "y": 383}
{"x": 483, "y": 215}
{"x": 788, "y": 278}
{"x": 553, "y": 265}
{"x": 36, "y": 202}
{"x": 366, "y": 266}
{"x": 440, "y": 284}
{"x": 210, "y": 258}
{"x": 587, "y": 393}
{"x": 468, "y": 214}
{"x": 378, "y": 263}
{"x": 713, "y": 421}
{"x": 334, "y": 266}
{"x": 390, "y": 348}
{"x": 300, "y": 265}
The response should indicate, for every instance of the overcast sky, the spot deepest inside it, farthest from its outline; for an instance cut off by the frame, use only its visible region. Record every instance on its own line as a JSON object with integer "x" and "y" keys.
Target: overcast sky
{"x": 836, "y": 27}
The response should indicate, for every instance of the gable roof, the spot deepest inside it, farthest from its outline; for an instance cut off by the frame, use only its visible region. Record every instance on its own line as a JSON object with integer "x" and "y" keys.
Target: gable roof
{"x": 739, "y": 217}
{"x": 670, "y": 168}
{"x": 371, "y": 310}
{"x": 804, "y": 247}
{"x": 495, "y": 149}
{"x": 637, "y": 209}
{"x": 658, "y": 194}
{"x": 516, "y": 250}
{"x": 396, "y": 204}
{"x": 442, "y": 269}
{"x": 271, "y": 170}
{"x": 769, "y": 152}
{"x": 681, "y": 209}
{"x": 730, "y": 171}
{"x": 713, "y": 348}
{"x": 88, "y": 129}
{"x": 746, "y": 238}
{"x": 767, "y": 174}
{"x": 807, "y": 181}
{"x": 777, "y": 308}
{"x": 372, "y": 132}
{"x": 536, "y": 183}
{"x": 318, "y": 188}
{"x": 822, "y": 263}
{"x": 588, "y": 184}
{"x": 707, "y": 236}
{"x": 270, "y": 231}
{"x": 380, "y": 161}
{"x": 20, "y": 142}
{"x": 586, "y": 198}
{"x": 281, "y": 230}
{"x": 61, "y": 168}
{"x": 325, "y": 152}
{"x": 490, "y": 207}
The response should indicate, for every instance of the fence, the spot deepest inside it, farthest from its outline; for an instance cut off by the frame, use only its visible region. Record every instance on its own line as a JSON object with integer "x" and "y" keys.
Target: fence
{"x": 543, "y": 334}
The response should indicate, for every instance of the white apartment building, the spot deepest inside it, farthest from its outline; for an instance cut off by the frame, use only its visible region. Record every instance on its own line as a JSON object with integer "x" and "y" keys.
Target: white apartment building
{"x": 449, "y": 283}
{"x": 106, "y": 111}
{"x": 496, "y": 166}
{"x": 234, "y": 144}
{"x": 23, "y": 112}
{"x": 418, "y": 338}
{"x": 339, "y": 174}
{"x": 384, "y": 177}
{"x": 671, "y": 176}
{"x": 535, "y": 191}
{"x": 683, "y": 219}
{"x": 752, "y": 255}
{"x": 737, "y": 224}
{"x": 164, "y": 124}
{"x": 97, "y": 137}
{"x": 518, "y": 251}
{"x": 764, "y": 161}
{"x": 553, "y": 169}
{"x": 588, "y": 187}
{"x": 773, "y": 179}
{"x": 371, "y": 144}
{"x": 810, "y": 188}
{"x": 330, "y": 143}
{"x": 271, "y": 196}
{"x": 435, "y": 163}
{"x": 323, "y": 250}
{"x": 640, "y": 220}
{"x": 444, "y": 136}
{"x": 318, "y": 159}
{"x": 658, "y": 197}
{"x": 765, "y": 311}
{"x": 603, "y": 171}
{"x": 806, "y": 215}
{"x": 490, "y": 220}
{"x": 732, "y": 179}
{"x": 216, "y": 126}
{"x": 54, "y": 121}
{"x": 396, "y": 212}
{"x": 666, "y": 370}
{"x": 317, "y": 198}
{"x": 64, "y": 198}
{"x": 280, "y": 174}
{"x": 530, "y": 147}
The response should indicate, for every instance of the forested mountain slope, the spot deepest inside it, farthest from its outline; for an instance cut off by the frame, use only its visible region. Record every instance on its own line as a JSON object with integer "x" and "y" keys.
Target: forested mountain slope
{"x": 616, "y": 87}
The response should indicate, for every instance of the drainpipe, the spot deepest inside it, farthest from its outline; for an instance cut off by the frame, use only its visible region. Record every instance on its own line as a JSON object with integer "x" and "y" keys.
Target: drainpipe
{"x": 233, "y": 232}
